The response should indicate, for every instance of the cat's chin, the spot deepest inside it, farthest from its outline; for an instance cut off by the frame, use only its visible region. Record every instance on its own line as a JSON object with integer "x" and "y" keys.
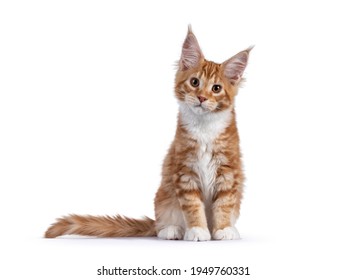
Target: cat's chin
{"x": 199, "y": 110}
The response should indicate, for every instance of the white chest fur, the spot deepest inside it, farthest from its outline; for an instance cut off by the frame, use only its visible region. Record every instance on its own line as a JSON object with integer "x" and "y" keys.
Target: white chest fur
{"x": 205, "y": 129}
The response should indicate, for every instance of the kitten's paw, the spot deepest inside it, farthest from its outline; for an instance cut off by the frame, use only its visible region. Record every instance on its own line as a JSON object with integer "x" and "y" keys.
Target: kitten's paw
{"x": 171, "y": 233}
{"x": 197, "y": 234}
{"x": 227, "y": 233}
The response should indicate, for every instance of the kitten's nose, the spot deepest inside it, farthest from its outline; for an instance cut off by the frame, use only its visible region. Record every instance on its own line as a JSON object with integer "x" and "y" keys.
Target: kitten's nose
{"x": 202, "y": 98}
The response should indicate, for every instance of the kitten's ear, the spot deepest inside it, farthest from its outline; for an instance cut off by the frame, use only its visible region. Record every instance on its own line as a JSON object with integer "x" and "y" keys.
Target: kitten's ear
{"x": 233, "y": 68}
{"x": 191, "y": 52}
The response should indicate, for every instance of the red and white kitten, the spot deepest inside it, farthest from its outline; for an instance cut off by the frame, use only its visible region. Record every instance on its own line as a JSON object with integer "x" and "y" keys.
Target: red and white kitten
{"x": 202, "y": 179}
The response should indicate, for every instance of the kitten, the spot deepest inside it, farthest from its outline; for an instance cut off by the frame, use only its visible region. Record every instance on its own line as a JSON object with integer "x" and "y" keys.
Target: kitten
{"x": 202, "y": 178}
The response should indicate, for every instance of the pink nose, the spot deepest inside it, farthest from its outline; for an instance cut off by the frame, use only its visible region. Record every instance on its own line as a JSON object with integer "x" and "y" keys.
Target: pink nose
{"x": 202, "y": 98}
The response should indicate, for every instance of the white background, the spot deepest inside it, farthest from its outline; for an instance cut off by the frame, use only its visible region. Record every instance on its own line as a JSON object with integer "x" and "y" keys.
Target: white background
{"x": 87, "y": 114}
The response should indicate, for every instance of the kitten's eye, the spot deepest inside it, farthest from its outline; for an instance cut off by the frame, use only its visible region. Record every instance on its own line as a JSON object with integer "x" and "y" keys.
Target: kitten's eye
{"x": 194, "y": 82}
{"x": 216, "y": 88}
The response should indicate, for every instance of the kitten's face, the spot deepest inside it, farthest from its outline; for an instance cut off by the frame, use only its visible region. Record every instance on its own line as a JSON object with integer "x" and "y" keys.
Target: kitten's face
{"x": 204, "y": 89}
{"x": 204, "y": 86}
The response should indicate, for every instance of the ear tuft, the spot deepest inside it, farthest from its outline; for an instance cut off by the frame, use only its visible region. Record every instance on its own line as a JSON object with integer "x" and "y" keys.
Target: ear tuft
{"x": 191, "y": 52}
{"x": 235, "y": 66}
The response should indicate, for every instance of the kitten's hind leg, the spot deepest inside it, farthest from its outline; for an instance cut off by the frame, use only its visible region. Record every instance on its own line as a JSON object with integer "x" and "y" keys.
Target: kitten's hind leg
{"x": 171, "y": 232}
{"x": 169, "y": 222}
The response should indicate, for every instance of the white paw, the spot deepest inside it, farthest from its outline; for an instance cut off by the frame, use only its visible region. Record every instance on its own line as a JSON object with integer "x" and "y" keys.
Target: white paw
{"x": 197, "y": 234}
{"x": 227, "y": 233}
{"x": 171, "y": 233}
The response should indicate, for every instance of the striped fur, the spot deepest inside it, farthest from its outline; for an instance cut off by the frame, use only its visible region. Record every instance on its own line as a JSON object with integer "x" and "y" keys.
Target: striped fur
{"x": 202, "y": 180}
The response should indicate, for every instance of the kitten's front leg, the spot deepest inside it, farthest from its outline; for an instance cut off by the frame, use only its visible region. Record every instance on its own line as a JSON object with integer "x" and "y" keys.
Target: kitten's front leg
{"x": 226, "y": 204}
{"x": 190, "y": 199}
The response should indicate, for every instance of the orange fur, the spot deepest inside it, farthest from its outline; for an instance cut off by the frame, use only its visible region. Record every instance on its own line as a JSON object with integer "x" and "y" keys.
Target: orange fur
{"x": 202, "y": 178}
{"x": 106, "y": 226}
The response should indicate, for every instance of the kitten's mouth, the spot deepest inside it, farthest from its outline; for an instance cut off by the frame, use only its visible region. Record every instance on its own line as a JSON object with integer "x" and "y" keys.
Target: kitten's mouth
{"x": 200, "y": 106}
{"x": 199, "y": 109}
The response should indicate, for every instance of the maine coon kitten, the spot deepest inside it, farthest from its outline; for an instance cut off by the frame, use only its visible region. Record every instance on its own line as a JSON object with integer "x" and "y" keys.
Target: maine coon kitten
{"x": 202, "y": 179}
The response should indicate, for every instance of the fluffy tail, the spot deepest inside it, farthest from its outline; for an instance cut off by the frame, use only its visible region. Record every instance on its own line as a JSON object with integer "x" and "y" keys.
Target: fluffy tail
{"x": 102, "y": 226}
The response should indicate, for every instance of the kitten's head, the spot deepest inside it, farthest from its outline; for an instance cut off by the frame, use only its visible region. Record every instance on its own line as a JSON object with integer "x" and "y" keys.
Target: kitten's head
{"x": 205, "y": 86}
